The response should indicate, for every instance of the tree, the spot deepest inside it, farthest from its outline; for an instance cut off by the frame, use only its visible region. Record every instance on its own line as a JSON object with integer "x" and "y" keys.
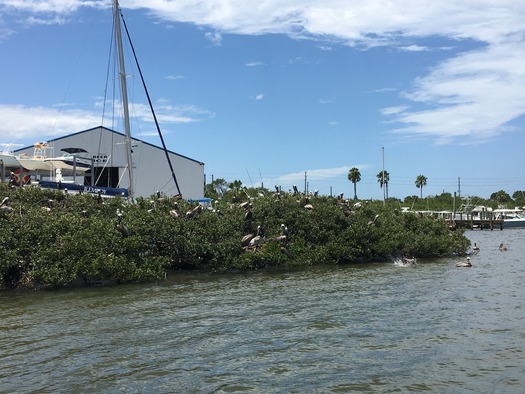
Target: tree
{"x": 217, "y": 188}
{"x": 421, "y": 181}
{"x": 354, "y": 176}
{"x": 383, "y": 177}
{"x": 519, "y": 197}
{"x": 501, "y": 197}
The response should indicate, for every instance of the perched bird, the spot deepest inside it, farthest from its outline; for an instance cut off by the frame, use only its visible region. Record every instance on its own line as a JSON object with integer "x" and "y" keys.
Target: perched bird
{"x": 464, "y": 264}
{"x": 245, "y": 241}
{"x": 249, "y": 214}
{"x": 371, "y": 222}
{"x": 6, "y": 209}
{"x": 193, "y": 212}
{"x": 123, "y": 230}
{"x": 175, "y": 211}
{"x": 119, "y": 216}
{"x": 283, "y": 238}
{"x": 4, "y": 206}
{"x": 286, "y": 252}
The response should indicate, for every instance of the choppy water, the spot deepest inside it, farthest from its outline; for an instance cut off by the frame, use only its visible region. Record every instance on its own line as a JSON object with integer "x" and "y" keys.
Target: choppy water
{"x": 368, "y": 328}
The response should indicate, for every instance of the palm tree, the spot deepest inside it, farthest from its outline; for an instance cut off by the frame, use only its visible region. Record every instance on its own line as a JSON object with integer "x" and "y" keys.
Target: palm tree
{"x": 354, "y": 176}
{"x": 383, "y": 177}
{"x": 421, "y": 181}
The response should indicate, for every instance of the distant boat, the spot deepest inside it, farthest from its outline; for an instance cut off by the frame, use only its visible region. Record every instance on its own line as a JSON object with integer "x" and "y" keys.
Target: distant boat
{"x": 512, "y": 218}
{"x": 8, "y": 157}
{"x": 36, "y": 162}
{"x": 70, "y": 160}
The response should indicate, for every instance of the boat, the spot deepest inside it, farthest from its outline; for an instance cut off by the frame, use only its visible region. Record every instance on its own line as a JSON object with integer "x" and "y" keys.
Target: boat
{"x": 61, "y": 163}
{"x": 8, "y": 157}
{"x": 37, "y": 161}
{"x": 70, "y": 160}
{"x": 72, "y": 187}
{"x": 512, "y": 218}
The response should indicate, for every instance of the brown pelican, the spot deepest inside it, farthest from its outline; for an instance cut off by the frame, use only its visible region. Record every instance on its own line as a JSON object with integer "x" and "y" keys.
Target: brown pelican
{"x": 4, "y": 206}
{"x": 464, "y": 264}
{"x": 193, "y": 212}
{"x": 283, "y": 238}
{"x": 257, "y": 241}
{"x": 245, "y": 241}
{"x": 371, "y": 222}
{"x": 119, "y": 226}
{"x": 175, "y": 211}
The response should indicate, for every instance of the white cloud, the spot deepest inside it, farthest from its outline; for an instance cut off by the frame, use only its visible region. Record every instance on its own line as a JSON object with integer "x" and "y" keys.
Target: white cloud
{"x": 474, "y": 94}
{"x": 414, "y": 48}
{"x": 254, "y": 64}
{"x": 21, "y": 122}
{"x": 258, "y": 97}
{"x": 215, "y": 38}
{"x": 175, "y": 77}
{"x": 317, "y": 175}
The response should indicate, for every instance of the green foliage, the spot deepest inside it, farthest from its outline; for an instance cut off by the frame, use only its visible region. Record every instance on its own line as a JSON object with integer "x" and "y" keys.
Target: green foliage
{"x": 52, "y": 239}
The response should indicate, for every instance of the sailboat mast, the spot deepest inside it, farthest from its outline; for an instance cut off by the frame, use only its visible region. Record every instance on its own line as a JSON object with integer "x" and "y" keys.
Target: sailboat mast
{"x": 124, "y": 88}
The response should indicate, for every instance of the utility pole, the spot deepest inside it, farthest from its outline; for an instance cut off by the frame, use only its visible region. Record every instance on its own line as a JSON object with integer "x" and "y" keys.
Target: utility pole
{"x": 305, "y": 184}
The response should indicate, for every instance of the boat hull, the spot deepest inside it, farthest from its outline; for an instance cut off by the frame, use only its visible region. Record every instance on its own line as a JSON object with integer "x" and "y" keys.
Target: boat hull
{"x": 68, "y": 164}
{"x": 513, "y": 223}
{"x": 9, "y": 160}
{"x": 77, "y": 188}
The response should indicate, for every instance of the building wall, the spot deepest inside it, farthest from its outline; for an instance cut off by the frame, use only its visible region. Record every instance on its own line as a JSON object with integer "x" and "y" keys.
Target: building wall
{"x": 151, "y": 172}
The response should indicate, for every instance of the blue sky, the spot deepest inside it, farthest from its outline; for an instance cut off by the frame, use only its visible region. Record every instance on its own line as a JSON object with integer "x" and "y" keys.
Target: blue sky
{"x": 264, "y": 91}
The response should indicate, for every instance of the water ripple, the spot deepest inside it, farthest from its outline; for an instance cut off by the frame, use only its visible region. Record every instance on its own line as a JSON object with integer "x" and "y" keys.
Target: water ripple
{"x": 372, "y": 327}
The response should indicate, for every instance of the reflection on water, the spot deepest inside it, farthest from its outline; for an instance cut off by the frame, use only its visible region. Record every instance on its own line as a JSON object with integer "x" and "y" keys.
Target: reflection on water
{"x": 375, "y": 327}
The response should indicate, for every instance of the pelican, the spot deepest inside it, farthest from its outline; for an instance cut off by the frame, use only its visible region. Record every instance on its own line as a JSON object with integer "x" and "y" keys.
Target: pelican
{"x": 283, "y": 238}
{"x": 245, "y": 241}
{"x": 371, "y": 222}
{"x": 6, "y": 209}
{"x": 464, "y": 264}
{"x": 123, "y": 230}
{"x": 175, "y": 211}
{"x": 119, "y": 216}
{"x": 194, "y": 211}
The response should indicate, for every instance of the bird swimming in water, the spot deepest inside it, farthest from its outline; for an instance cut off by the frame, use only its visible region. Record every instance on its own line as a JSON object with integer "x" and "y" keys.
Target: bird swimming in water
{"x": 502, "y": 247}
{"x": 464, "y": 264}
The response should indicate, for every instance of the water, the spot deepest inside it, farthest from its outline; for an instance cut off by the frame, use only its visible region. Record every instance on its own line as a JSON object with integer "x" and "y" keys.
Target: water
{"x": 365, "y": 328}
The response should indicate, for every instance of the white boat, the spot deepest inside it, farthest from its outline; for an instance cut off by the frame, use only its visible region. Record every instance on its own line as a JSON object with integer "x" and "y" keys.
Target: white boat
{"x": 8, "y": 157}
{"x": 70, "y": 160}
{"x": 37, "y": 161}
{"x": 129, "y": 192}
{"x": 512, "y": 218}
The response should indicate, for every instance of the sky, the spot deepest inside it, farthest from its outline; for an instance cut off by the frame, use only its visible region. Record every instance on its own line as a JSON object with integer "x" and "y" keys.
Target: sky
{"x": 286, "y": 92}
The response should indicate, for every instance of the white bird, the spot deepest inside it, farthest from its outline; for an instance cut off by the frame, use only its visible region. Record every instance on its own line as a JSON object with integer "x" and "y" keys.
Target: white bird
{"x": 464, "y": 264}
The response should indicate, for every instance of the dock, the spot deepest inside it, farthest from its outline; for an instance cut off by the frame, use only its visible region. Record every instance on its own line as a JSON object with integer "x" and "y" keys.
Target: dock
{"x": 477, "y": 221}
